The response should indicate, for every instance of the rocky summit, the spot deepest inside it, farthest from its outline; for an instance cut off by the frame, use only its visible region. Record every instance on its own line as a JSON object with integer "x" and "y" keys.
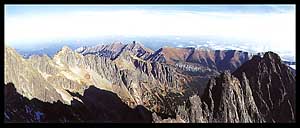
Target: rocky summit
{"x": 130, "y": 83}
{"x": 261, "y": 90}
{"x": 273, "y": 85}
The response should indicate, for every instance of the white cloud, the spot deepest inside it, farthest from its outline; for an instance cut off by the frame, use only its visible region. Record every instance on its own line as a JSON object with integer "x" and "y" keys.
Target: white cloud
{"x": 275, "y": 29}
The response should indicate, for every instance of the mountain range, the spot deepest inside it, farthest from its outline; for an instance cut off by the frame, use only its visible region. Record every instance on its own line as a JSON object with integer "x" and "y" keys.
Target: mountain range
{"x": 131, "y": 83}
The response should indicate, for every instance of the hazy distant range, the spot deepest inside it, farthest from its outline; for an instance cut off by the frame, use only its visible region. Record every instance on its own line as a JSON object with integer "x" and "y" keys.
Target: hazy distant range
{"x": 154, "y": 43}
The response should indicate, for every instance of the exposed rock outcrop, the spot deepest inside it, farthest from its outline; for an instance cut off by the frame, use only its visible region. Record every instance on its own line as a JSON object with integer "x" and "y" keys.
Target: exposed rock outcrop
{"x": 29, "y": 82}
{"x": 169, "y": 83}
{"x": 135, "y": 81}
{"x": 273, "y": 86}
{"x": 261, "y": 90}
{"x": 225, "y": 100}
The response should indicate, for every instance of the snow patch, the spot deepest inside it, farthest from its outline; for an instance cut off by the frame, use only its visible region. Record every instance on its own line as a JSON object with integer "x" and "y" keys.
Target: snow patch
{"x": 180, "y": 46}
{"x": 191, "y": 46}
{"x": 293, "y": 66}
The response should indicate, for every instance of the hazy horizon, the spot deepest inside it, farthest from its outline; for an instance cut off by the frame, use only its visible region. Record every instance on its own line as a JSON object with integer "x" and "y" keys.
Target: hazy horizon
{"x": 269, "y": 27}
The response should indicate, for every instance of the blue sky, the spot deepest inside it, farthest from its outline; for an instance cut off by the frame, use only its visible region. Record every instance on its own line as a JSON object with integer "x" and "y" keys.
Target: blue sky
{"x": 33, "y": 9}
{"x": 31, "y": 24}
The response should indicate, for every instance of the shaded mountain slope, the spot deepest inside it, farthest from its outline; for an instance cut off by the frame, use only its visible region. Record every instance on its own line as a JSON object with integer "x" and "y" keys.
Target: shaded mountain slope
{"x": 95, "y": 105}
{"x": 273, "y": 85}
{"x": 261, "y": 90}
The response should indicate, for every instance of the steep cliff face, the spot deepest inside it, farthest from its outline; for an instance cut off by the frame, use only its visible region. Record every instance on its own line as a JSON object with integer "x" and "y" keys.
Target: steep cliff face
{"x": 225, "y": 100}
{"x": 261, "y": 90}
{"x": 230, "y": 101}
{"x": 29, "y": 82}
{"x": 135, "y": 81}
{"x": 273, "y": 86}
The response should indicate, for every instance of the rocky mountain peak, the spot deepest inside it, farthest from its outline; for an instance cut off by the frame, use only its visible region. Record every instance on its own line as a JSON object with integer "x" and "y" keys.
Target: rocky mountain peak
{"x": 81, "y": 49}
{"x": 273, "y": 57}
{"x": 29, "y": 82}
{"x": 116, "y": 45}
{"x": 225, "y": 100}
{"x": 225, "y": 75}
{"x": 9, "y": 51}
{"x": 8, "y": 48}
{"x": 256, "y": 58}
{"x": 66, "y": 48}
{"x": 273, "y": 86}
{"x": 261, "y": 90}
{"x": 137, "y": 46}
